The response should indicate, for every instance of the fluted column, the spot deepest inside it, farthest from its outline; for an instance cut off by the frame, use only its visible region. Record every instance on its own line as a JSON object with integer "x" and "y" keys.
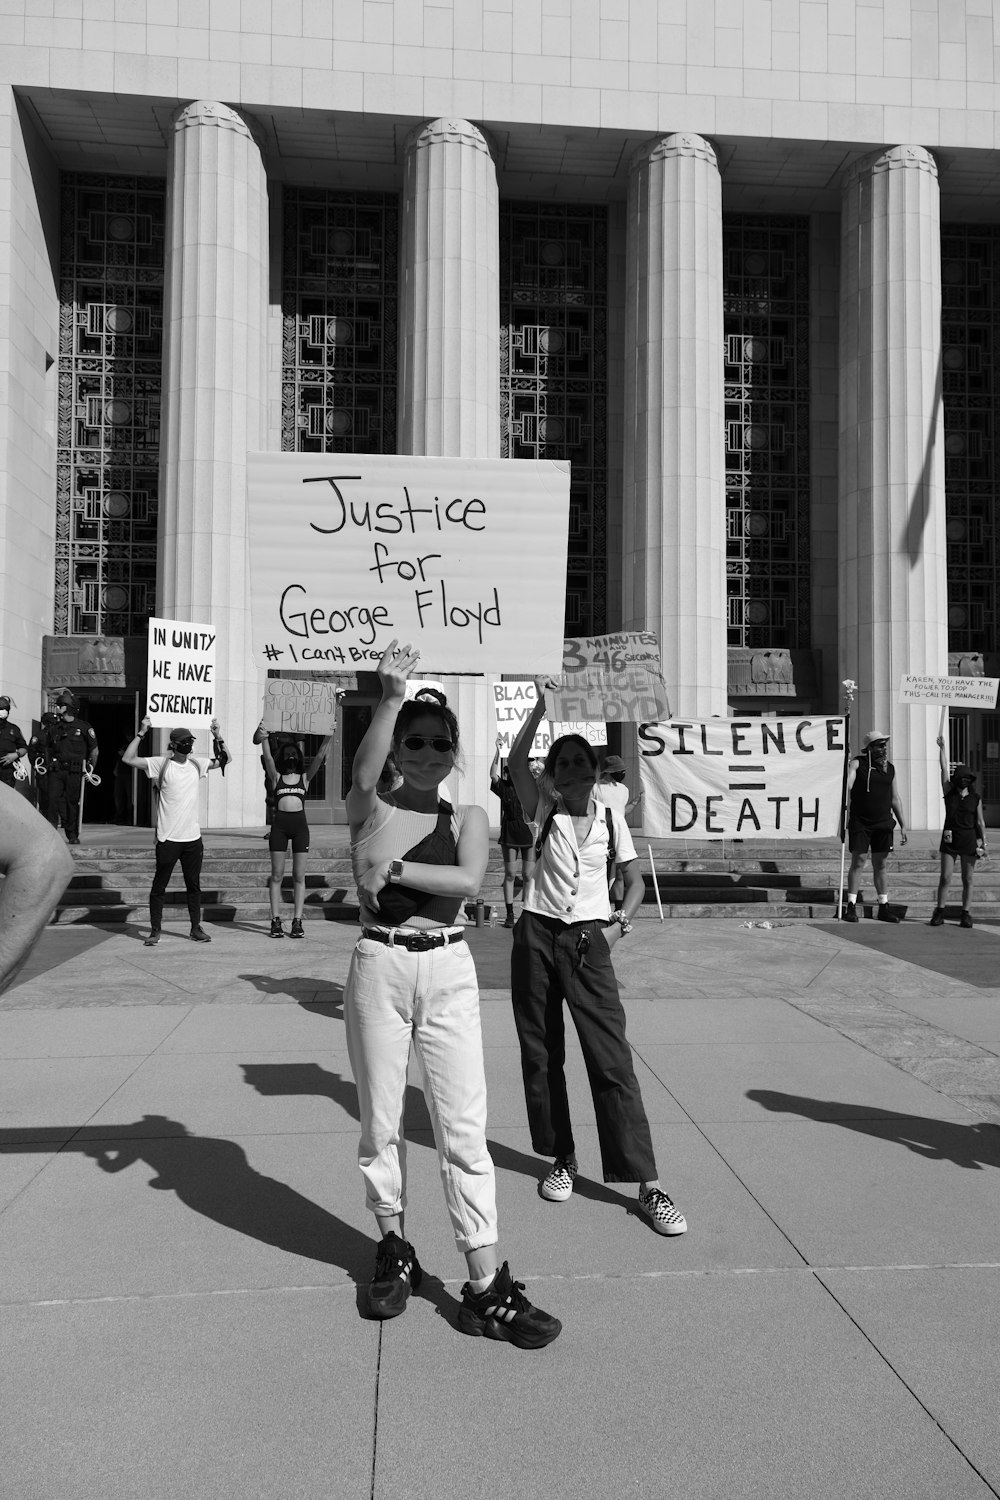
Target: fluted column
{"x": 450, "y": 317}
{"x": 215, "y": 337}
{"x": 674, "y": 515}
{"x": 893, "y": 586}
{"x": 449, "y": 375}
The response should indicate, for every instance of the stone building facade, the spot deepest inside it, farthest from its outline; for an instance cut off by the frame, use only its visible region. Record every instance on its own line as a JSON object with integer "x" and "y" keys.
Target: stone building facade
{"x": 740, "y": 266}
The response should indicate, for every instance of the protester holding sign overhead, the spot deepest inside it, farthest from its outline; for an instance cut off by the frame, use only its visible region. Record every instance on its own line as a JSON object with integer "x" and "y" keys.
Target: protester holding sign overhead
{"x": 288, "y": 781}
{"x": 177, "y": 778}
{"x": 562, "y": 951}
{"x": 416, "y": 859}
{"x": 964, "y": 835}
{"x": 872, "y": 805}
{"x": 515, "y": 836}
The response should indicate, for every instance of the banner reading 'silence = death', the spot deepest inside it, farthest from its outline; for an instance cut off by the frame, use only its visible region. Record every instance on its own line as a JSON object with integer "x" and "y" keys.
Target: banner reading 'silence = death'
{"x": 610, "y": 679}
{"x": 743, "y": 778}
{"x": 464, "y": 559}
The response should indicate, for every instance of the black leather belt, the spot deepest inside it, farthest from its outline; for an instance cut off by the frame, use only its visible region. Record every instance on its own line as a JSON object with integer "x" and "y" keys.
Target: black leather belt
{"x": 413, "y": 942}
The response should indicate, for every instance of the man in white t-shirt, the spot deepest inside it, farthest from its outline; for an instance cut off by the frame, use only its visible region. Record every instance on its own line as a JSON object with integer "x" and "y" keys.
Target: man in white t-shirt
{"x": 177, "y": 777}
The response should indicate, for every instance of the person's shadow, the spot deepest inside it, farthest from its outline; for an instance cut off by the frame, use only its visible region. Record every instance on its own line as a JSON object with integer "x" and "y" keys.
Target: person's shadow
{"x": 213, "y": 1177}
{"x": 331, "y": 1005}
{"x": 971, "y": 1146}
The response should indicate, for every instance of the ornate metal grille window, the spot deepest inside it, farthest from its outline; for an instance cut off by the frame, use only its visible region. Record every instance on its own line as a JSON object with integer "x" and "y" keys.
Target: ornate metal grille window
{"x": 553, "y": 374}
{"x": 340, "y": 314}
{"x": 970, "y": 338}
{"x": 766, "y": 290}
{"x": 110, "y": 361}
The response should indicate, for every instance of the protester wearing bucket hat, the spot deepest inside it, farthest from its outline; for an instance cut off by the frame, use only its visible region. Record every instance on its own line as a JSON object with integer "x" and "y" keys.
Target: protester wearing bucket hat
{"x": 12, "y": 745}
{"x": 964, "y": 835}
{"x": 72, "y": 751}
{"x": 872, "y": 806}
{"x": 177, "y": 777}
{"x": 611, "y": 791}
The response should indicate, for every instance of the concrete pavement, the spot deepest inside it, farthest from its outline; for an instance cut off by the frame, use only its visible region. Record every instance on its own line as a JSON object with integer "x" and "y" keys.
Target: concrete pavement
{"x": 184, "y": 1246}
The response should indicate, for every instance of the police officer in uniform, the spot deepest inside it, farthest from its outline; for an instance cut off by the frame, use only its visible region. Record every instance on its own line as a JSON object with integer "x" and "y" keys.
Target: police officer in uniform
{"x": 72, "y": 745}
{"x": 12, "y": 746}
{"x": 38, "y": 754}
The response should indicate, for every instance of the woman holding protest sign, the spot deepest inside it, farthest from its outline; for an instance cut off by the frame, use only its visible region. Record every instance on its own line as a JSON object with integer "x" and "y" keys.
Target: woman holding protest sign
{"x": 562, "y": 951}
{"x": 516, "y": 842}
{"x": 288, "y": 781}
{"x": 416, "y": 859}
{"x": 964, "y": 835}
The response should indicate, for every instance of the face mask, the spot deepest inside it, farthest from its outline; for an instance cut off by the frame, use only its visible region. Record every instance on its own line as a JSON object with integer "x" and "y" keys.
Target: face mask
{"x": 4, "y": 713}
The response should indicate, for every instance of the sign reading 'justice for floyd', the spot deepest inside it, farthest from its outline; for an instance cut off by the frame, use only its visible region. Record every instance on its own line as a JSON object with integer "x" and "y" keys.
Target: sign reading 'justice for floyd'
{"x": 463, "y": 558}
{"x": 743, "y": 778}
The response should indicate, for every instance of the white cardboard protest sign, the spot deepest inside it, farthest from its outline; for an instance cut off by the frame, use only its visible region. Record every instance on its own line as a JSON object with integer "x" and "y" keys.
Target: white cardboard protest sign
{"x": 465, "y": 559}
{"x": 300, "y": 705}
{"x": 514, "y": 702}
{"x": 776, "y": 778}
{"x": 614, "y": 678}
{"x": 180, "y": 674}
{"x": 956, "y": 692}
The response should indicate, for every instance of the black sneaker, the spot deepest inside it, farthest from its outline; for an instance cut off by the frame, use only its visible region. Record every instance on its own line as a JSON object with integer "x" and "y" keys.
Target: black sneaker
{"x": 851, "y": 911}
{"x": 199, "y": 935}
{"x": 509, "y": 919}
{"x": 965, "y": 920}
{"x": 153, "y": 939}
{"x": 503, "y": 1312}
{"x": 937, "y": 920}
{"x": 296, "y": 928}
{"x": 397, "y": 1272}
{"x": 885, "y": 915}
{"x": 276, "y": 928}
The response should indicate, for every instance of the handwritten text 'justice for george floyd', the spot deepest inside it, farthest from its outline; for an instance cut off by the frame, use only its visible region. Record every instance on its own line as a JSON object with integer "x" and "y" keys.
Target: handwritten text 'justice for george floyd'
{"x": 433, "y": 599}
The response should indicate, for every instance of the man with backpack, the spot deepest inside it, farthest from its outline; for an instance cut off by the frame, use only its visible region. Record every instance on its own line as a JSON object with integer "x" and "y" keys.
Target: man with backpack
{"x": 177, "y": 778}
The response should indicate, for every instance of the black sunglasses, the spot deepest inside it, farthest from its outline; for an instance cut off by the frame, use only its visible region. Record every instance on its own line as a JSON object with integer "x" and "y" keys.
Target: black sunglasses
{"x": 183, "y": 744}
{"x": 437, "y": 742}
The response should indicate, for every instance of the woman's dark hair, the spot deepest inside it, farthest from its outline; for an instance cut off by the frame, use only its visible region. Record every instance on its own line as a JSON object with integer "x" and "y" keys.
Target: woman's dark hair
{"x": 290, "y": 752}
{"x": 569, "y": 739}
{"x": 427, "y": 701}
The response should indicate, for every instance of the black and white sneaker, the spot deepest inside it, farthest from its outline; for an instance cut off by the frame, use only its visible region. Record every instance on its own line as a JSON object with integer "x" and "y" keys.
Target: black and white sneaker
{"x": 397, "y": 1272}
{"x": 503, "y": 1312}
{"x": 661, "y": 1212}
{"x": 558, "y": 1184}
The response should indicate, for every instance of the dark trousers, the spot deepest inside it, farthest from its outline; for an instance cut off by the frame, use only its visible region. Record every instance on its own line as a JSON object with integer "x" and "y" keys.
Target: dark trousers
{"x": 168, "y": 853}
{"x": 64, "y": 783}
{"x": 547, "y": 967}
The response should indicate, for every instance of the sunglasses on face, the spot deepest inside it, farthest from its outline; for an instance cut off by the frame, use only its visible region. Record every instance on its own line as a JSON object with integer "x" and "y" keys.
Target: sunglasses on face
{"x": 419, "y": 741}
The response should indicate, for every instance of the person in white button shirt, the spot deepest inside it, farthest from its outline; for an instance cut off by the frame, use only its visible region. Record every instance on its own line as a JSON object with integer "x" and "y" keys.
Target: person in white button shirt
{"x": 562, "y": 951}
{"x": 177, "y": 777}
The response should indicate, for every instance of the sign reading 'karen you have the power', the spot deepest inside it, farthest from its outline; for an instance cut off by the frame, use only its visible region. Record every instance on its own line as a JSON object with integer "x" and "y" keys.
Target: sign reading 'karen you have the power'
{"x": 464, "y": 559}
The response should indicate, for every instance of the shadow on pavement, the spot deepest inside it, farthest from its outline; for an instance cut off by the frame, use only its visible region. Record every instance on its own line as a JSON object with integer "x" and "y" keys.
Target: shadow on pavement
{"x": 972, "y": 1146}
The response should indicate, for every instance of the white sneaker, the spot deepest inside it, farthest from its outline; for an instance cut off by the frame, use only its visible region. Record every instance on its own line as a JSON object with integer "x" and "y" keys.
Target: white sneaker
{"x": 558, "y": 1185}
{"x": 661, "y": 1212}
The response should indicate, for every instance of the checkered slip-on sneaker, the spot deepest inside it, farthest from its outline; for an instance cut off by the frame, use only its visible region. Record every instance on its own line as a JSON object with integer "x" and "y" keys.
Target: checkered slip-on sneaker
{"x": 558, "y": 1184}
{"x": 397, "y": 1272}
{"x": 661, "y": 1212}
{"x": 503, "y": 1312}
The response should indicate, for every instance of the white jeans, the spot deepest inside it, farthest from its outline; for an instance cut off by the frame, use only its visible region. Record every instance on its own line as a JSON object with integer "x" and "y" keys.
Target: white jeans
{"x": 392, "y": 995}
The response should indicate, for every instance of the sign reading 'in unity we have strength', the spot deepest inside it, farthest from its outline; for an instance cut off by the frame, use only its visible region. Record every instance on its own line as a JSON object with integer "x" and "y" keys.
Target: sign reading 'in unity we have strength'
{"x": 465, "y": 559}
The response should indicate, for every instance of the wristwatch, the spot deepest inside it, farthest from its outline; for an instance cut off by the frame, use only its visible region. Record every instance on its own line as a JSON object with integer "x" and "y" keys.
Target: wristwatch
{"x": 395, "y": 871}
{"x": 622, "y": 920}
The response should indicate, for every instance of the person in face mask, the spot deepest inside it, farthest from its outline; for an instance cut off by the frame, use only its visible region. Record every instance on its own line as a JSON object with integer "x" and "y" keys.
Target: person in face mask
{"x": 12, "y": 746}
{"x": 872, "y": 805}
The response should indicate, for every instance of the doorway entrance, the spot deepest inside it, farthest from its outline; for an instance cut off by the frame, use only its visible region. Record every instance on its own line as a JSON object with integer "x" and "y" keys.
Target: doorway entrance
{"x": 113, "y": 716}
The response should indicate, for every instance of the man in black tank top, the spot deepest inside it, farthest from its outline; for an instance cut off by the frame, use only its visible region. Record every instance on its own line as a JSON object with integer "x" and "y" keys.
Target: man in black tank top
{"x": 873, "y": 809}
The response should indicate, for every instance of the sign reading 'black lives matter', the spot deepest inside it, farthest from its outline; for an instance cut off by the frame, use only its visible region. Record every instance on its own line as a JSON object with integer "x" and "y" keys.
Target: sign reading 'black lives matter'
{"x": 465, "y": 559}
{"x": 743, "y": 778}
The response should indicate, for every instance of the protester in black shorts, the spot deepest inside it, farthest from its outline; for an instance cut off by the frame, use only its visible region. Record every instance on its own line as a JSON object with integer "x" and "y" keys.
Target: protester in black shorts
{"x": 516, "y": 839}
{"x": 288, "y": 782}
{"x": 872, "y": 806}
{"x": 964, "y": 835}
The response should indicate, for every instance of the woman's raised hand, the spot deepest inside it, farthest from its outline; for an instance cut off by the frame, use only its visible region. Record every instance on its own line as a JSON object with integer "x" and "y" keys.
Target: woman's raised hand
{"x": 395, "y": 668}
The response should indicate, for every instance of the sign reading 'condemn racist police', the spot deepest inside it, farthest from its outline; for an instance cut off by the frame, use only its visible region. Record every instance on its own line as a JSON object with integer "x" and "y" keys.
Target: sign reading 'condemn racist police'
{"x": 465, "y": 559}
{"x": 743, "y": 778}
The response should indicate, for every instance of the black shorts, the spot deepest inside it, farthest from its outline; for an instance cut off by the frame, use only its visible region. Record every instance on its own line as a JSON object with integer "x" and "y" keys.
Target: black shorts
{"x": 962, "y": 841}
{"x": 861, "y": 838}
{"x": 285, "y": 826}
